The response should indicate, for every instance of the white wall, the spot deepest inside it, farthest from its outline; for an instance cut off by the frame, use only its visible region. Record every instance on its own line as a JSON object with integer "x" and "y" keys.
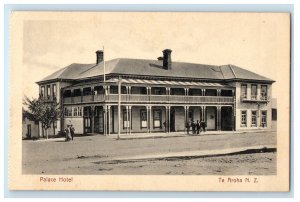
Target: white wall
{"x": 249, "y": 106}
{"x": 77, "y": 123}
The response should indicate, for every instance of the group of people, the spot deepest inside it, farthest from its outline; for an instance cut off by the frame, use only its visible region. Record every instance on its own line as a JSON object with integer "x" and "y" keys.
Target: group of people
{"x": 196, "y": 127}
{"x": 69, "y": 132}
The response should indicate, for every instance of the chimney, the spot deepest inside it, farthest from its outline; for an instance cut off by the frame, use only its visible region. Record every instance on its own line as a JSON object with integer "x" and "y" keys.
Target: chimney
{"x": 167, "y": 62}
{"x": 99, "y": 54}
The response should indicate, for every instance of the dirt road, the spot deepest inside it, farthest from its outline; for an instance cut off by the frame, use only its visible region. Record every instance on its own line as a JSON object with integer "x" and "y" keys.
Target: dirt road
{"x": 82, "y": 156}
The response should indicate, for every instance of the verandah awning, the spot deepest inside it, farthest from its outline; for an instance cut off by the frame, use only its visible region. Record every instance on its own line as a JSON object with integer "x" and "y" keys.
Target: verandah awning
{"x": 175, "y": 83}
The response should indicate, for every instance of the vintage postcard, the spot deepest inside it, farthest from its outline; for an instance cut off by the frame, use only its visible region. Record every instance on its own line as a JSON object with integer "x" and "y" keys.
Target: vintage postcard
{"x": 150, "y": 101}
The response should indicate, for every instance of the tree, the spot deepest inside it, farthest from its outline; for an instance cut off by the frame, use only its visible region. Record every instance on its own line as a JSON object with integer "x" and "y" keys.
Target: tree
{"x": 42, "y": 111}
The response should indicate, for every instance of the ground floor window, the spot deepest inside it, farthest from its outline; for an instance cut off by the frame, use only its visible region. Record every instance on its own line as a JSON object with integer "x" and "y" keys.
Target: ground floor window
{"x": 157, "y": 118}
{"x": 87, "y": 111}
{"x": 75, "y": 110}
{"x": 244, "y": 118}
{"x": 125, "y": 119}
{"x": 254, "y": 118}
{"x": 143, "y": 118}
{"x": 68, "y": 111}
{"x": 79, "y": 111}
{"x": 263, "y": 118}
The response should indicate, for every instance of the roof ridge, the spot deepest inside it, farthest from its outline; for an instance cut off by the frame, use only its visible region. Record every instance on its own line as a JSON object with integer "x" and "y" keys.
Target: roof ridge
{"x": 221, "y": 71}
{"x": 232, "y": 71}
{"x": 88, "y": 69}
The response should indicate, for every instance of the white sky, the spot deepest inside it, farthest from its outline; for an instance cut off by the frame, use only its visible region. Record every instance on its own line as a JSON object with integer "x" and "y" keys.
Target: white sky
{"x": 257, "y": 42}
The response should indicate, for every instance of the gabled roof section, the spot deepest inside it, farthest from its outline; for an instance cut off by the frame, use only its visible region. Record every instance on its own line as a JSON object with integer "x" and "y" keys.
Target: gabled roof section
{"x": 235, "y": 72}
{"x": 69, "y": 72}
{"x": 154, "y": 68}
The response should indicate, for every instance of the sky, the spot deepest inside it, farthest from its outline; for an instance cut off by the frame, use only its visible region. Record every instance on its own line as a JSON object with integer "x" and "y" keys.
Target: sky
{"x": 258, "y": 42}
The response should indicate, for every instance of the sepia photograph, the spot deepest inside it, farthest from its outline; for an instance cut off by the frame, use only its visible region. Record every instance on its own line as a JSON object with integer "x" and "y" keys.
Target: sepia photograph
{"x": 152, "y": 95}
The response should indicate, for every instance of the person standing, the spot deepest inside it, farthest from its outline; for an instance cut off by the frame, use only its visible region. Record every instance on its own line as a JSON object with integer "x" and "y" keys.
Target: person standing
{"x": 72, "y": 131}
{"x": 67, "y": 133}
{"x": 203, "y": 126}
{"x": 193, "y": 127}
{"x": 188, "y": 126}
{"x": 198, "y": 127}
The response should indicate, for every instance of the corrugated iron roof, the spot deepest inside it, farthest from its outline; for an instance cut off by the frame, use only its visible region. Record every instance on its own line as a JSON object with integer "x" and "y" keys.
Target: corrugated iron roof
{"x": 141, "y": 67}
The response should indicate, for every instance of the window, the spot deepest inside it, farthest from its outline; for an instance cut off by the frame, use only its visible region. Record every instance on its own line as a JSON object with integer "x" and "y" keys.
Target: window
{"x": 42, "y": 91}
{"x": 79, "y": 111}
{"x": 156, "y": 91}
{"x": 244, "y": 118}
{"x": 75, "y": 111}
{"x": 254, "y": 118}
{"x": 157, "y": 118}
{"x": 264, "y": 118}
{"x": 87, "y": 111}
{"x": 125, "y": 120}
{"x": 263, "y": 92}
{"x": 48, "y": 92}
{"x": 143, "y": 117}
{"x": 54, "y": 90}
{"x": 244, "y": 91}
{"x": 66, "y": 112}
{"x": 253, "y": 92}
{"x": 70, "y": 112}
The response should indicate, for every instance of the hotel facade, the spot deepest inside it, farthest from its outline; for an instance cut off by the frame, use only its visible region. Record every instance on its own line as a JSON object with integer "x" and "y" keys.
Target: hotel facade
{"x": 157, "y": 96}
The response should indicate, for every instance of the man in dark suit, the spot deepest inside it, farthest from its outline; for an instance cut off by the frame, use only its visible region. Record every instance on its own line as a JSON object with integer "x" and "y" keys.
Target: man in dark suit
{"x": 72, "y": 131}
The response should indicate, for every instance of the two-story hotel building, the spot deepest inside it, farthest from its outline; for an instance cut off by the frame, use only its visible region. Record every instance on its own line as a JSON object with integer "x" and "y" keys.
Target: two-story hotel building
{"x": 157, "y": 96}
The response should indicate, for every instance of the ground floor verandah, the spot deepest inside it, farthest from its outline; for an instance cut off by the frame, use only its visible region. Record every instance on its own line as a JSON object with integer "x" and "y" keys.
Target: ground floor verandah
{"x": 103, "y": 119}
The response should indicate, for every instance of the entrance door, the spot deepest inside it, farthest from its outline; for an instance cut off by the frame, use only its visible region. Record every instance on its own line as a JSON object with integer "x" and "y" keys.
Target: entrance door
{"x": 211, "y": 118}
{"x": 226, "y": 119}
{"x": 87, "y": 122}
{"x": 98, "y": 123}
{"x": 172, "y": 120}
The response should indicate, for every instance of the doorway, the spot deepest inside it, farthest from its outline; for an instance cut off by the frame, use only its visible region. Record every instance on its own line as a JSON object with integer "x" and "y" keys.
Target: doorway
{"x": 211, "y": 118}
{"x": 98, "y": 125}
{"x": 226, "y": 119}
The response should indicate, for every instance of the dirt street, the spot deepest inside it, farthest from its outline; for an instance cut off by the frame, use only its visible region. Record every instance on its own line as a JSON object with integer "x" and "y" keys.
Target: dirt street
{"x": 85, "y": 155}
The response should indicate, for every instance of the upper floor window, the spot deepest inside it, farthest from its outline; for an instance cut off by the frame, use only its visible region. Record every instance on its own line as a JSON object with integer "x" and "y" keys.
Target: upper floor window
{"x": 264, "y": 92}
{"x": 253, "y": 92}
{"x": 42, "y": 91}
{"x": 244, "y": 91}
{"x": 54, "y": 90}
{"x": 48, "y": 91}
